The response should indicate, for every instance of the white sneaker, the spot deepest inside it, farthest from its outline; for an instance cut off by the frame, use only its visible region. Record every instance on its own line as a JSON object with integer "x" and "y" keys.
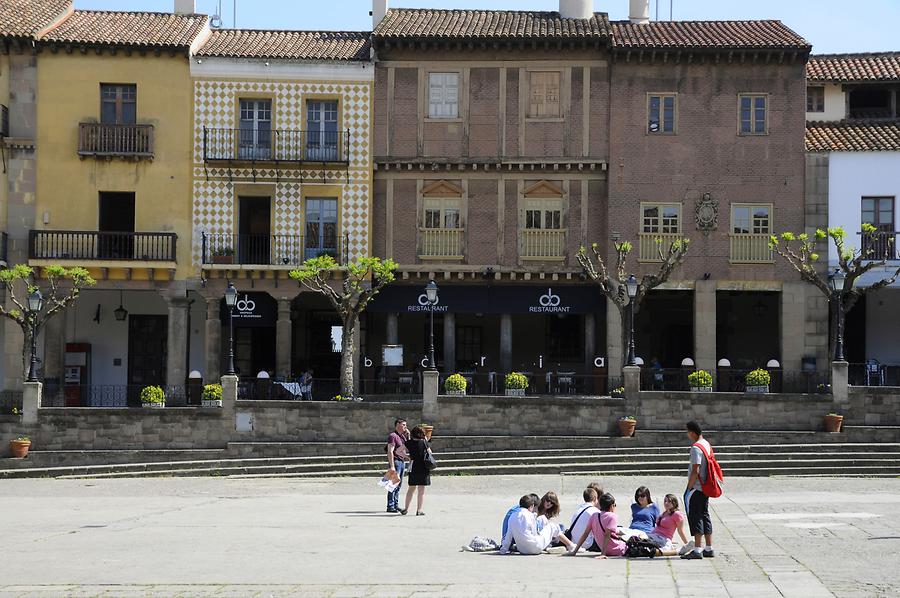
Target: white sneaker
{"x": 686, "y": 548}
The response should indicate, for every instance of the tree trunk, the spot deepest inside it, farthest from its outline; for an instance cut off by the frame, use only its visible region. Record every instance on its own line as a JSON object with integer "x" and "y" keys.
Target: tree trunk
{"x": 348, "y": 357}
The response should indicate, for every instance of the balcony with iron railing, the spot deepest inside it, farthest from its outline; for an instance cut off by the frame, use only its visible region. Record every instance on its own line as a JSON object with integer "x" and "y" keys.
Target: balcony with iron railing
{"x": 101, "y": 246}
{"x": 651, "y": 244}
{"x": 251, "y": 145}
{"x": 441, "y": 243}
{"x": 879, "y": 245}
{"x": 542, "y": 244}
{"x": 115, "y": 140}
{"x": 266, "y": 250}
{"x": 748, "y": 248}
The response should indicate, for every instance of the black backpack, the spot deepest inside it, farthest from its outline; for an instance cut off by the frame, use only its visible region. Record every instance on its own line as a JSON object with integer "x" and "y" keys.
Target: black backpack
{"x": 640, "y": 548}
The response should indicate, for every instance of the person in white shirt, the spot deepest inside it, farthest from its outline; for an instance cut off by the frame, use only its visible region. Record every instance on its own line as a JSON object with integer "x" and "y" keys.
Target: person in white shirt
{"x": 582, "y": 517}
{"x": 523, "y": 530}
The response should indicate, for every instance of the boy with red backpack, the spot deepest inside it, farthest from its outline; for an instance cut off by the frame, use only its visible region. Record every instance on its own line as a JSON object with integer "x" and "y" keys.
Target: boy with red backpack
{"x": 704, "y": 482}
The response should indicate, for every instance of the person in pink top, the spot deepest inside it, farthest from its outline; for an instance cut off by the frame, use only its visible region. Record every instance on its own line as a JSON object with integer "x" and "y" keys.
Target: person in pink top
{"x": 670, "y": 521}
{"x": 603, "y": 525}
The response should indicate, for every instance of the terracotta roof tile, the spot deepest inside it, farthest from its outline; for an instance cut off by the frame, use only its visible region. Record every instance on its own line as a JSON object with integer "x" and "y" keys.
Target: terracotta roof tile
{"x": 487, "y": 24}
{"x": 880, "y": 66}
{"x": 853, "y": 136}
{"x": 128, "y": 29}
{"x": 762, "y": 35}
{"x": 299, "y": 45}
{"x": 26, "y": 18}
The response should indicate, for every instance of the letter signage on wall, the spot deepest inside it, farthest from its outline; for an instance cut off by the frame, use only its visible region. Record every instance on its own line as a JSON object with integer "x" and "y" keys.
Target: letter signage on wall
{"x": 514, "y": 299}
{"x": 257, "y": 310}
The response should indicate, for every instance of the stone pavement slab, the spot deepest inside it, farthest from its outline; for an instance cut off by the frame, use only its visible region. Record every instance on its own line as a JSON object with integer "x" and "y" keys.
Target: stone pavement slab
{"x": 222, "y": 537}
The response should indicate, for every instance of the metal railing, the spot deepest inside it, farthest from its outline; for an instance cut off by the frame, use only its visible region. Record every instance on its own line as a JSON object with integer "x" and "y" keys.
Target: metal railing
{"x": 880, "y": 245}
{"x": 10, "y": 402}
{"x": 751, "y": 249}
{"x": 258, "y": 250}
{"x": 734, "y": 380}
{"x": 543, "y": 243}
{"x": 107, "y": 395}
{"x": 96, "y": 245}
{"x": 255, "y": 145}
{"x": 650, "y": 245}
{"x": 441, "y": 242}
{"x": 99, "y": 139}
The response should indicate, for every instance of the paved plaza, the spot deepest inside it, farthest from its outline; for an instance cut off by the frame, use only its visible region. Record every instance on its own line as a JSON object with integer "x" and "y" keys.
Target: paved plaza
{"x": 776, "y": 537}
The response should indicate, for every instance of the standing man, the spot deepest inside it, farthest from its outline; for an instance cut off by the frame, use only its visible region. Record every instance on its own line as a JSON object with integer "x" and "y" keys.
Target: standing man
{"x": 398, "y": 457}
{"x": 696, "y": 503}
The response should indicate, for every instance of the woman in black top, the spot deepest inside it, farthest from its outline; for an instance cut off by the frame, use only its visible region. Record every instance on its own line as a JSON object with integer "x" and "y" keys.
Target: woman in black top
{"x": 420, "y": 476}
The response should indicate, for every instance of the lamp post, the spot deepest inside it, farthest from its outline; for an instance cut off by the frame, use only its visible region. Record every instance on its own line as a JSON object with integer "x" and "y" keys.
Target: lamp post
{"x": 431, "y": 293}
{"x": 35, "y": 305}
{"x": 837, "y": 280}
{"x": 632, "y": 286}
{"x": 231, "y": 296}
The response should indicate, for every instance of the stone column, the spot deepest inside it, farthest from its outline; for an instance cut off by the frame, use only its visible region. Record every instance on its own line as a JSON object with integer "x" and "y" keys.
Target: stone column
{"x": 229, "y": 396}
{"x": 449, "y": 342}
{"x": 506, "y": 341}
{"x": 590, "y": 342}
{"x": 705, "y": 325}
{"x": 632, "y": 381}
{"x": 429, "y": 394}
{"x": 613, "y": 340}
{"x": 840, "y": 382}
{"x": 392, "y": 327}
{"x": 176, "y": 341}
{"x": 793, "y": 325}
{"x": 213, "y": 340}
{"x": 55, "y": 347}
{"x": 31, "y": 401}
{"x": 283, "y": 336}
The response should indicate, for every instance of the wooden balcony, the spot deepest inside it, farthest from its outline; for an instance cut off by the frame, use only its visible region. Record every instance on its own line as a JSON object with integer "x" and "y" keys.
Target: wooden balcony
{"x": 542, "y": 244}
{"x": 650, "y": 245}
{"x": 115, "y": 141}
{"x": 747, "y": 248}
{"x": 101, "y": 246}
{"x": 441, "y": 243}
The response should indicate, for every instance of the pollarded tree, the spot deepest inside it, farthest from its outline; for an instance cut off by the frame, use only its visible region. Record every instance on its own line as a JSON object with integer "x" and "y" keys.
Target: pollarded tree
{"x": 349, "y": 288}
{"x": 61, "y": 287}
{"x": 613, "y": 283}
{"x": 800, "y": 252}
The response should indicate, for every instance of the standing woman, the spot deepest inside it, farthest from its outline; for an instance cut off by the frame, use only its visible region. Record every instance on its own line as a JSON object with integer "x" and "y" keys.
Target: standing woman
{"x": 420, "y": 476}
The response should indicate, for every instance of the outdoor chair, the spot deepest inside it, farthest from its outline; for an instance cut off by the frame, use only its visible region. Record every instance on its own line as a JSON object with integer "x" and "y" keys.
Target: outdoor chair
{"x": 874, "y": 372}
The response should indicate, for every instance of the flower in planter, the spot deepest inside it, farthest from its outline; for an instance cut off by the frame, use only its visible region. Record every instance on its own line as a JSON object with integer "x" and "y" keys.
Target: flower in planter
{"x": 153, "y": 395}
{"x": 758, "y": 377}
{"x": 212, "y": 392}
{"x": 617, "y": 393}
{"x": 516, "y": 381}
{"x": 455, "y": 383}
{"x": 22, "y": 439}
{"x": 223, "y": 251}
{"x": 700, "y": 379}
{"x": 628, "y": 418}
{"x": 341, "y": 398}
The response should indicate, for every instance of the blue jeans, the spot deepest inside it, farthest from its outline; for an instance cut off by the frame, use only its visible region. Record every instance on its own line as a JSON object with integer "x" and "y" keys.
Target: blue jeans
{"x": 394, "y": 495}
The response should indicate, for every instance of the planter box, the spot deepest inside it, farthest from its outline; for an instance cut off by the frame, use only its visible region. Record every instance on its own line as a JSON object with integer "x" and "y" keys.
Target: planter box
{"x": 223, "y": 259}
{"x": 153, "y": 405}
{"x": 212, "y": 403}
{"x": 757, "y": 389}
{"x": 455, "y": 393}
{"x": 515, "y": 392}
{"x": 701, "y": 389}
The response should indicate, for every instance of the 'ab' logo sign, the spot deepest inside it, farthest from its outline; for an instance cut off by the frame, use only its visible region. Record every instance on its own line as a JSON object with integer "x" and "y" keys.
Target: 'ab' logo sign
{"x": 549, "y": 302}
{"x": 549, "y": 299}
{"x": 245, "y": 305}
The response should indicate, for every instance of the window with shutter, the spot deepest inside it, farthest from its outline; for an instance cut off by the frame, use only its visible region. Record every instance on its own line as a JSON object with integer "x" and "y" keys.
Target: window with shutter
{"x": 443, "y": 95}
{"x": 544, "y": 95}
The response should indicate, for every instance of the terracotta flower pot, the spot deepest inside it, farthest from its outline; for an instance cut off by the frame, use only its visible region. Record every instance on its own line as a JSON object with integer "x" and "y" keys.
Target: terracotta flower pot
{"x": 19, "y": 448}
{"x": 626, "y": 427}
{"x": 833, "y": 423}
{"x": 428, "y": 430}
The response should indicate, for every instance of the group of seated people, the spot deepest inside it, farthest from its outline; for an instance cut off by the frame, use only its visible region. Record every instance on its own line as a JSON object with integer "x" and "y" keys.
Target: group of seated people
{"x": 529, "y": 527}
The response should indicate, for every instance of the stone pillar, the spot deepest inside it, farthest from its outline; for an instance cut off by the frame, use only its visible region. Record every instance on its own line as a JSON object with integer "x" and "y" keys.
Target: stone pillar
{"x": 429, "y": 393}
{"x": 632, "y": 381}
{"x": 31, "y": 401}
{"x": 392, "y": 326}
{"x": 613, "y": 340}
{"x": 506, "y": 341}
{"x": 840, "y": 382}
{"x": 284, "y": 330}
{"x": 176, "y": 341}
{"x": 449, "y": 342}
{"x": 590, "y": 342}
{"x": 213, "y": 340}
{"x": 55, "y": 347}
{"x": 229, "y": 395}
{"x": 793, "y": 325}
{"x": 705, "y": 326}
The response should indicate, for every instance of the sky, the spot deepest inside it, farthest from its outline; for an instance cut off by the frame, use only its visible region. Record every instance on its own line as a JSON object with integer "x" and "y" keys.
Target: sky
{"x": 830, "y": 25}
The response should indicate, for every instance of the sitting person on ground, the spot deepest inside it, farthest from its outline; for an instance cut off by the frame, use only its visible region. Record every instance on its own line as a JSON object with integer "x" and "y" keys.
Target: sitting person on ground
{"x": 548, "y": 508}
{"x": 644, "y": 514}
{"x": 523, "y": 530}
{"x": 667, "y": 524}
{"x": 604, "y": 528}
{"x": 505, "y": 526}
{"x": 581, "y": 519}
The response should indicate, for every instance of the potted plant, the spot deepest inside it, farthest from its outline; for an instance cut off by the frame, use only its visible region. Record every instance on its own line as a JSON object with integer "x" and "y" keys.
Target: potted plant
{"x": 429, "y": 429}
{"x": 617, "y": 393}
{"x": 627, "y": 425}
{"x": 758, "y": 381}
{"x": 153, "y": 397}
{"x": 455, "y": 385}
{"x": 212, "y": 395}
{"x": 700, "y": 381}
{"x": 833, "y": 422}
{"x": 823, "y": 389}
{"x": 223, "y": 255}
{"x": 342, "y": 398}
{"x": 515, "y": 384}
{"x": 20, "y": 446}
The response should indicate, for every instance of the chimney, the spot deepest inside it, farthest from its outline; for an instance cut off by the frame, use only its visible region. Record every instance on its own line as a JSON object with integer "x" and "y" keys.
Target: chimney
{"x": 576, "y": 9}
{"x": 640, "y": 12}
{"x": 185, "y": 7}
{"x": 379, "y": 11}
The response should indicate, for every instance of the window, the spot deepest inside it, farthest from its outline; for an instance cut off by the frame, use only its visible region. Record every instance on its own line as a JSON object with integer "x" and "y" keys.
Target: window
{"x": 443, "y": 95}
{"x": 751, "y": 228}
{"x": 752, "y": 220}
{"x": 543, "y": 214}
{"x": 468, "y": 345}
{"x": 661, "y": 218}
{"x": 815, "y": 99}
{"x": 879, "y": 212}
{"x": 442, "y": 213}
{"x": 661, "y": 113}
{"x": 118, "y": 104}
{"x": 753, "y": 108}
{"x": 543, "y": 99}
{"x": 564, "y": 338}
{"x": 322, "y": 131}
{"x": 255, "y": 135}
{"x": 321, "y": 227}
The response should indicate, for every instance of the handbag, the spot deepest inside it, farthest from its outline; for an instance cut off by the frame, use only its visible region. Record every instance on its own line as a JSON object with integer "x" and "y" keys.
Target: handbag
{"x": 640, "y": 548}
{"x": 429, "y": 461}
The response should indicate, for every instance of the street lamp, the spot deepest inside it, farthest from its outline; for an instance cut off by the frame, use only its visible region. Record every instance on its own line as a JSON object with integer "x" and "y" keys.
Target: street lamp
{"x": 837, "y": 280}
{"x": 431, "y": 294}
{"x": 35, "y": 305}
{"x": 231, "y": 296}
{"x": 632, "y": 286}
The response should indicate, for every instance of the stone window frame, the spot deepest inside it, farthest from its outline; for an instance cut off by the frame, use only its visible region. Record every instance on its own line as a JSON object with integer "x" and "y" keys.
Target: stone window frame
{"x": 529, "y": 116}
{"x": 753, "y": 96}
{"x": 660, "y": 225}
{"x": 662, "y": 95}
{"x": 459, "y": 89}
{"x": 815, "y": 103}
{"x": 751, "y": 225}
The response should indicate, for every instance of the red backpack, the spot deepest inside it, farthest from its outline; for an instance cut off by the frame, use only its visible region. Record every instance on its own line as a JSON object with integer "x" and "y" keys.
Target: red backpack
{"x": 712, "y": 487}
